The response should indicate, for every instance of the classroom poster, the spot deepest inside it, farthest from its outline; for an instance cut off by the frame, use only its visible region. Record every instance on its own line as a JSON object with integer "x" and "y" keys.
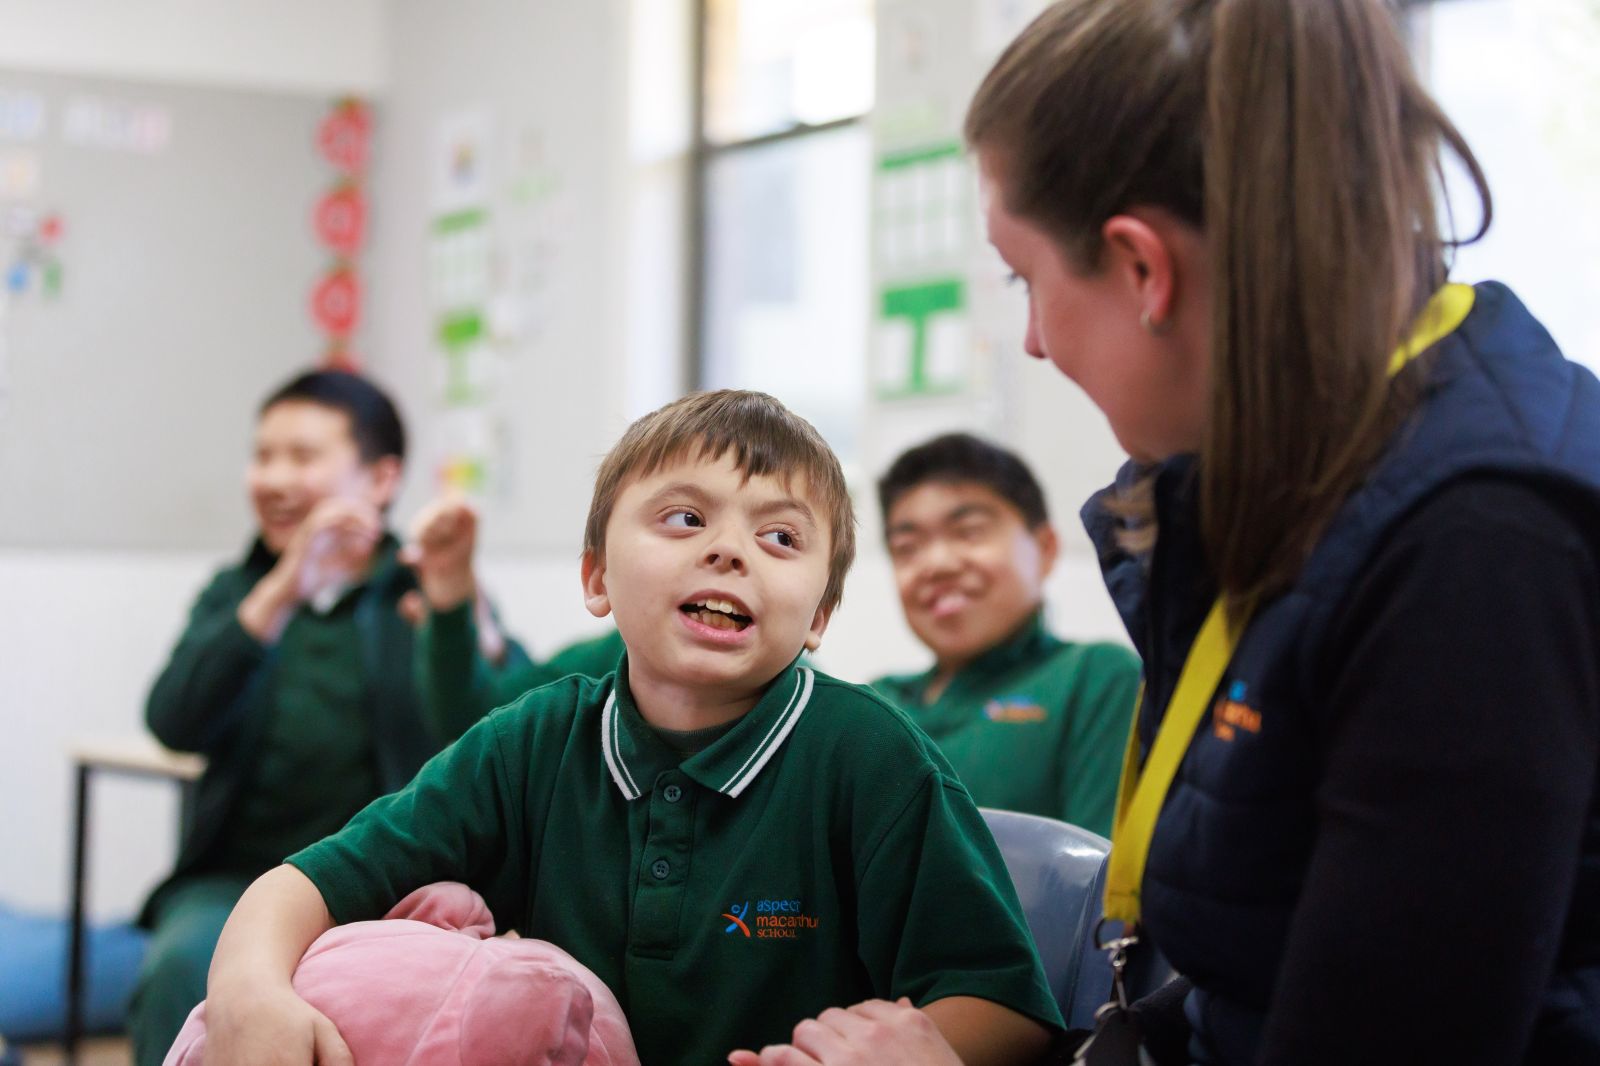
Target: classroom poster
{"x": 922, "y": 227}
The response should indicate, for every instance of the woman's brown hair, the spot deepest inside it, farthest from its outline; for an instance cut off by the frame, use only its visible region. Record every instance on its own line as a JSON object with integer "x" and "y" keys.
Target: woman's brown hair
{"x": 1296, "y": 135}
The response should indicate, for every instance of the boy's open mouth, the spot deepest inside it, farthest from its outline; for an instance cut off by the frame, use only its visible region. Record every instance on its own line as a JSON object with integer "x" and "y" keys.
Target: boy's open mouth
{"x": 718, "y": 614}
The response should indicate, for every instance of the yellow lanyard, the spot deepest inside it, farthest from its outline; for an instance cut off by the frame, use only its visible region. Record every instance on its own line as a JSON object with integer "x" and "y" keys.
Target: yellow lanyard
{"x": 1140, "y": 795}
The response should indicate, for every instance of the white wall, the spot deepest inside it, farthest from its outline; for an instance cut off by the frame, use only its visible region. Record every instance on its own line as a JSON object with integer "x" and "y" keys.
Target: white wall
{"x": 82, "y": 635}
{"x": 315, "y": 46}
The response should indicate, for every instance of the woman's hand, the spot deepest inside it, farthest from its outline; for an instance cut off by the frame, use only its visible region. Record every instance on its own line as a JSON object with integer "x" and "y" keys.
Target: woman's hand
{"x": 874, "y": 1033}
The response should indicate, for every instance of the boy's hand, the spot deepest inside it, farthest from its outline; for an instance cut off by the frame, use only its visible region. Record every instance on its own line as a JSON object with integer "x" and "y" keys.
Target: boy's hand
{"x": 440, "y": 548}
{"x": 333, "y": 544}
{"x": 272, "y": 1029}
{"x": 874, "y": 1033}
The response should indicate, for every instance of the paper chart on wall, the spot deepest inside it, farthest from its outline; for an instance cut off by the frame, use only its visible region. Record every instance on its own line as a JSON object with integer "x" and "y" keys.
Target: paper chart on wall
{"x": 922, "y": 226}
{"x": 461, "y": 161}
{"x": 499, "y": 204}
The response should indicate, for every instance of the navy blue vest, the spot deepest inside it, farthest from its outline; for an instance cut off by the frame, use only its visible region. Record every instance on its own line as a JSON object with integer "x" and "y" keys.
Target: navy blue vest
{"x": 1232, "y": 842}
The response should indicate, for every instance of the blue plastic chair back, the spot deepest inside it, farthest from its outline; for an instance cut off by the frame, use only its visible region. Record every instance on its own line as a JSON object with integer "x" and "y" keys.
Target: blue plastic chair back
{"x": 1059, "y": 871}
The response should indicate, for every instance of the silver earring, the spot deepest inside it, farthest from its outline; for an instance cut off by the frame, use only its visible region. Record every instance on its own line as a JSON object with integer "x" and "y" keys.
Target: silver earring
{"x": 1155, "y": 329}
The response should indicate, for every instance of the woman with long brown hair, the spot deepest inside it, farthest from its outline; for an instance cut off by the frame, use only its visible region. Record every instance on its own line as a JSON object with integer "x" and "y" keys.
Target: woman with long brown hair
{"x": 1357, "y": 545}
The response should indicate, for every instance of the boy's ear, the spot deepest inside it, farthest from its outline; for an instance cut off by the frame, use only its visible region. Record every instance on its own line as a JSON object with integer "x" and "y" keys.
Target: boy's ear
{"x": 1049, "y": 548}
{"x": 383, "y": 476}
{"x": 819, "y": 626}
{"x": 594, "y": 585}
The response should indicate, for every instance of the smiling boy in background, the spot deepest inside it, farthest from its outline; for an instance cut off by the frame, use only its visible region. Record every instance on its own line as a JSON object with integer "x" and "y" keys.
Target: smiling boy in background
{"x": 1030, "y": 722}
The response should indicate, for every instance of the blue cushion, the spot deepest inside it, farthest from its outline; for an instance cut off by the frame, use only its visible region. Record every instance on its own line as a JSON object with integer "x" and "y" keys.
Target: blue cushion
{"x": 33, "y": 976}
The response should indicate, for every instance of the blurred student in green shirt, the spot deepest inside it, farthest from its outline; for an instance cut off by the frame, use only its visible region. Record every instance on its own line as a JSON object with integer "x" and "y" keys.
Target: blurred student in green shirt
{"x": 293, "y": 677}
{"x": 1030, "y": 722}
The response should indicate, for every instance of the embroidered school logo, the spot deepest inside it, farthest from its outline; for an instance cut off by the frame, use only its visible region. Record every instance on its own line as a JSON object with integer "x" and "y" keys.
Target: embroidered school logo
{"x": 1013, "y": 709}
{"x": 1231, "y": 715}
{"x": 736, "y": 919}
{"x": 774, "y": 919}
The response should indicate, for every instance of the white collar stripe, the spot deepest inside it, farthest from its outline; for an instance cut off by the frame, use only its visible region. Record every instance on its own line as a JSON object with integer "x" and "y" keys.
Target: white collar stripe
{"x": 784, "y": 726}
{"x": 619, "y": 771}
{"x": 622, "y": 763}
{"x": 759, "y": 748}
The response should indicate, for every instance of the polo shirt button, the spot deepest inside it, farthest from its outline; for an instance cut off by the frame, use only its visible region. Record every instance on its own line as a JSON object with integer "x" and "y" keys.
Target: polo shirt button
{"x": 661, "y": 868}
{"x": 672, "y": 793}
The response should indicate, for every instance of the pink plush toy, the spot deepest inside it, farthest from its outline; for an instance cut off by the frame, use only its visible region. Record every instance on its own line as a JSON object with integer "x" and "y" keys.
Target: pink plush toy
{"x": 431, "y": 985}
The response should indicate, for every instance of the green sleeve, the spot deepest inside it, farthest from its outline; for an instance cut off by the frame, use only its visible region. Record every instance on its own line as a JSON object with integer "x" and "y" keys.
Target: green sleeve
{"x": 938, "y": 916}
{"x": 456, "y": 685}
{"x": 1100, "y": 712}
{"x": 458, "y": 820}
{"x": 196, "y": 700}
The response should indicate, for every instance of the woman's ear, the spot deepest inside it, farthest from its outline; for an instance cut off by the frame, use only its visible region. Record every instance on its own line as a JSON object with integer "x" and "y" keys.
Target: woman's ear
{"x": 595, "y": 597}
{"x": 1137, "y": 254}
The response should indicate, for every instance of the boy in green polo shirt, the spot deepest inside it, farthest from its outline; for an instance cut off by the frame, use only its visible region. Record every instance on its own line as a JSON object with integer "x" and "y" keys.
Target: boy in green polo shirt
{"x": 1030, "y": 723}
{"x": 732, "y": 841}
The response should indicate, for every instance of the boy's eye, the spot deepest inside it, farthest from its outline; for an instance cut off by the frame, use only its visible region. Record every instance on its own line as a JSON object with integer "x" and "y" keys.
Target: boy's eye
{"x": 972, "y": 530}
{"x": 684, "y": 520}
{"x": 781, "y": 537}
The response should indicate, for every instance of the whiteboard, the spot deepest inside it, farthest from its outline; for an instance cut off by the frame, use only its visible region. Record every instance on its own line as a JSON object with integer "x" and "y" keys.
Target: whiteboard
{"x": 129, "y": 397}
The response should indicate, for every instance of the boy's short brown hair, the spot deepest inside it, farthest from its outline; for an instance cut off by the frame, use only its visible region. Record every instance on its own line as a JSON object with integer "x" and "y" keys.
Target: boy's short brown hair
{"x": 766, "y": 439}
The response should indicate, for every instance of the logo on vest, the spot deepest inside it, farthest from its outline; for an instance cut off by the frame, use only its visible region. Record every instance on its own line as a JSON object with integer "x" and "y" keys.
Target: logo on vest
{"x": 1230, "y": 715}
{"x": 1014, "y": 709}
{"x": 774, "y": 919}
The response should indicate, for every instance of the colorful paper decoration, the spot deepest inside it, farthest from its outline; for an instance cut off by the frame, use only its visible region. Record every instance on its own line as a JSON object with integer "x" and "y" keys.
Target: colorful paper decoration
{"x": 34, "y": 262}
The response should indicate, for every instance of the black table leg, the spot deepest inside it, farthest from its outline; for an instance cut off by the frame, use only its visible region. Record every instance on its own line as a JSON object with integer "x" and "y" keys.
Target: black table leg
{"x": 75, "y": 945}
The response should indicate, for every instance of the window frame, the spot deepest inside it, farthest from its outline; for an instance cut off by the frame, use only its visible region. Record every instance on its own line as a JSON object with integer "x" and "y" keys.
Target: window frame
{"x": 703, "y": 155}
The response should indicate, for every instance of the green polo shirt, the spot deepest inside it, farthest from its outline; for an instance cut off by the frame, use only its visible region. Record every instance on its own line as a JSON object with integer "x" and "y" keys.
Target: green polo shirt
{"x": 314, "y": 766}
{"x": 817, "y": 854}
{"x": 1035, "y": 724}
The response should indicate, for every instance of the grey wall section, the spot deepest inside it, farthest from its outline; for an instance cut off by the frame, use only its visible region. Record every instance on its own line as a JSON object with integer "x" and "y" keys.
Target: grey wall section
{"x": 558, "y": 72}
{"x": 187, "y": 276}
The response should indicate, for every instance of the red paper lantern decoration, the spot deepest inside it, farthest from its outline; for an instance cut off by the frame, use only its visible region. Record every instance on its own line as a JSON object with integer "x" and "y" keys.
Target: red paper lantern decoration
{"x": 345, "y": 137}
{"x": 336, "y": 303}
{"x": 341, "y": 219}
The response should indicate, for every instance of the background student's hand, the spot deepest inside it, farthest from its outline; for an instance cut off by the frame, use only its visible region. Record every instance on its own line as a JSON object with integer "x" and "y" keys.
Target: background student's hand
{"x": 440, "y": 548}
{"x": 333, "y": 545}
{"x": 275, "y": 1028}
{"x": 874, "y": 1033}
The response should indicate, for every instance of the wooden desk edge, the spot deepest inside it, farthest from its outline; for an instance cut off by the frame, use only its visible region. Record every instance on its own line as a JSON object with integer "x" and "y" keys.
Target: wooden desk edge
{"x": 138, "y": 756}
